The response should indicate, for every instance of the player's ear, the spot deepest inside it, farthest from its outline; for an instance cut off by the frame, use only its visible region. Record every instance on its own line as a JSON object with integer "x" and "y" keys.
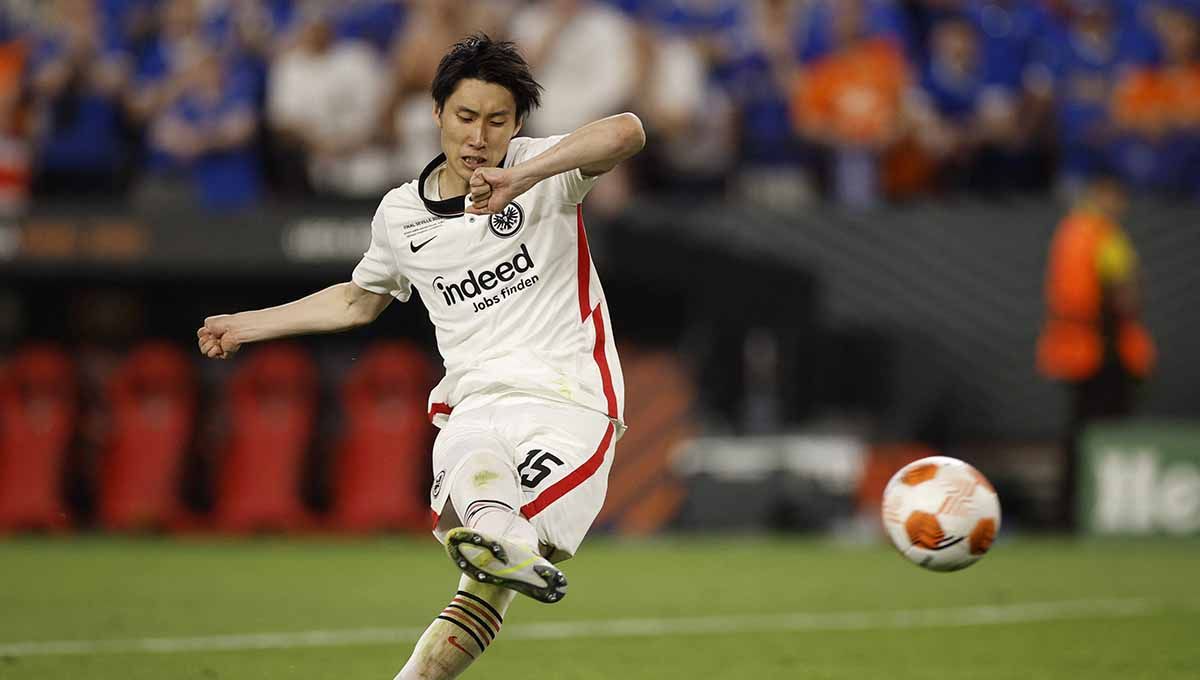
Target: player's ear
{"x": 520, "y": 124}
{"x": 437, "y": 115}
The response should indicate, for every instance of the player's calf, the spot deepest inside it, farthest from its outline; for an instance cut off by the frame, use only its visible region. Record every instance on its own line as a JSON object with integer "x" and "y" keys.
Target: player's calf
{"x": 459, "y": 634}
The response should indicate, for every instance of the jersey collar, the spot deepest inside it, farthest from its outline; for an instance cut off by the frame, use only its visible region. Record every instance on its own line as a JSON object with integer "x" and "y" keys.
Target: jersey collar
{"x": 446, "y": 207}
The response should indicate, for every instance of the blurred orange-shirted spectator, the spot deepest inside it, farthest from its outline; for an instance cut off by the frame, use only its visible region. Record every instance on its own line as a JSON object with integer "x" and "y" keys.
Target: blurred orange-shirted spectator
{"x": 853, "y": 97}
{"x": 1157, "y": 110}
{"x": 1159, "y": 100}
{"x": 851, "y": 102}
{"x": 1141, "y": 102}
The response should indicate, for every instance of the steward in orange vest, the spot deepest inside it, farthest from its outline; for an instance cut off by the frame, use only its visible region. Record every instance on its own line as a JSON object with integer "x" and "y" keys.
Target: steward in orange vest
{"x": 1092, "y": 292}
{"x": 1093, "y": 339}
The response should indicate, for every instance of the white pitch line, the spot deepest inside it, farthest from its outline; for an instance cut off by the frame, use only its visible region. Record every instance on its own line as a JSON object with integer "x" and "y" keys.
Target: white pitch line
{"x": 949, "y": 617}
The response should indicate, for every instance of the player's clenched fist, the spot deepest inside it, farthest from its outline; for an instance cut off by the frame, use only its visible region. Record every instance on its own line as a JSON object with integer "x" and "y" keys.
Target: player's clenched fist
{"x": 480, "y": 190}
{"x": 216, "y": 339}
{"x": 493, "y": 188}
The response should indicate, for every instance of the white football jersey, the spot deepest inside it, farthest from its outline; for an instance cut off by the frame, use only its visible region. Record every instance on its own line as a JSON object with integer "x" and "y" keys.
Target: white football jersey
{"x": 514, "y": 297}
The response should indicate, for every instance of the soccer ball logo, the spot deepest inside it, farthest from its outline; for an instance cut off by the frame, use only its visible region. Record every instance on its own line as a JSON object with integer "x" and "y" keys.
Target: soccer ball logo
{"x": 508, "y": 221}
{"x": 941, "y": 513}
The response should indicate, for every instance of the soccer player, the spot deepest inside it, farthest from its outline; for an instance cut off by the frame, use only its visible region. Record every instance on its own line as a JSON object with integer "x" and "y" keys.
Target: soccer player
{"x": 491, "y": 235}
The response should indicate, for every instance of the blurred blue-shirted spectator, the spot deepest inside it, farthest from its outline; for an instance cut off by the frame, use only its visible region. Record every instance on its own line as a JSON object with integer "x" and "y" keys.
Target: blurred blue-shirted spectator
{"x": 180, "y": 39}
{"x": 1138, "y": 16}
{"x": 1080, "y": 71}
{"x": 687, "y": 17}
{"x": 921, "y": 15}
{"x": 954, "y": 75}
{"x": 206, "y": 138}
{"x": 1011, "y": 32}
{"x": 78, "y": 78}
{"x": 281, "y": 13}
{"x": 372, "y": 21}
{"x": 967, "y": 124}
{"x": 883, "y": 18}
{"x": 1179, "y": 31}
{"x": 248, "y": 34}
{"x": 256, "y": 25}
{"x": 634, "y": 8}
{"x": 756, "y": 73}
{"x": 130, "y": 22}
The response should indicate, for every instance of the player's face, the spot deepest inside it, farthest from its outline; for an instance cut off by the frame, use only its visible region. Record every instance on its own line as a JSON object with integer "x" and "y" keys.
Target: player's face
{"x": 477, "y": 122}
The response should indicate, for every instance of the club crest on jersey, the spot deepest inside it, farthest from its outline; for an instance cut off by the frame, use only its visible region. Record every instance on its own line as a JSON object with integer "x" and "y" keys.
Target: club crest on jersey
{"x": 508, "y": 221}
{"x": 437, "y": 483}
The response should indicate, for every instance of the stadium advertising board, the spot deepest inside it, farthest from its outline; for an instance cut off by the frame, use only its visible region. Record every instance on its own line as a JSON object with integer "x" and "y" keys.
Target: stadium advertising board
{"x": 1141, "y": 479}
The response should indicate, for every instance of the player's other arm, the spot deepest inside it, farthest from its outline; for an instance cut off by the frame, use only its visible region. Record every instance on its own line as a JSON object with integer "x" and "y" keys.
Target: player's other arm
{"x": 337, "y": 308}
{"x": 594, "y": 148}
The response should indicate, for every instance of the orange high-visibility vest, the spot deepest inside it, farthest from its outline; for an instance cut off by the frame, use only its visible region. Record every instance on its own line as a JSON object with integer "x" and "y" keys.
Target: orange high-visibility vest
{"x": 1071, "y": 346}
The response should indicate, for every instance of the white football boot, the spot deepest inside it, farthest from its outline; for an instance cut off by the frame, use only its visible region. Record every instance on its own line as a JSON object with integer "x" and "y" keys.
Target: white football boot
{"x": 501, "y": 562}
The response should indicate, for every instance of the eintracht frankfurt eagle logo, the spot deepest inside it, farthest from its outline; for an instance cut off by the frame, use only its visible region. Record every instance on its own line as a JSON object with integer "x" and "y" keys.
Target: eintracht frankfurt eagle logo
{"x": 508, "y": 221}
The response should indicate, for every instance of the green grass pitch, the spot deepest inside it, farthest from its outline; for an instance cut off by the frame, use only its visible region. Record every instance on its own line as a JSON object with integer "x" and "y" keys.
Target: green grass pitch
{"x": 704, "y": 608}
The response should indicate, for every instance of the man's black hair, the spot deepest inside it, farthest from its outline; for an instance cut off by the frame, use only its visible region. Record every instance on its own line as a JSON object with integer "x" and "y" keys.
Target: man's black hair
{"x": 492, "y": 61}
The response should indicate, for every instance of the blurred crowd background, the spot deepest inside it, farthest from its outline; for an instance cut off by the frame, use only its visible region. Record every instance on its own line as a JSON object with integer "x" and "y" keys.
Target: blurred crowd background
{"x": 230, "y": 103}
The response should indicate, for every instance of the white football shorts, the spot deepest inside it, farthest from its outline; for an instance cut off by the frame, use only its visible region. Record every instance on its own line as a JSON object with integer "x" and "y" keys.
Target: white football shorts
{"x": 559, "y": 453}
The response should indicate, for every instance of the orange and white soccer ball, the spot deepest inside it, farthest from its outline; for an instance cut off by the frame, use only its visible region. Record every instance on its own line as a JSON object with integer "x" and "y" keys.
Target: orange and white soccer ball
{"x": 941, "y": 513}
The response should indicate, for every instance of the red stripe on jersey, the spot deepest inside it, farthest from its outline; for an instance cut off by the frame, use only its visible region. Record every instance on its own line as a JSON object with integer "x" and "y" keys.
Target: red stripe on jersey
{"x": 610, "y": 394}
{"x": 581, "y": 474}
{"x": 584, "y": 263}
{"x": 435, "y": 519}
{"x": 578, "y": 476}
{"x": 439, "y": 408}
{"x": 584, "y": 260}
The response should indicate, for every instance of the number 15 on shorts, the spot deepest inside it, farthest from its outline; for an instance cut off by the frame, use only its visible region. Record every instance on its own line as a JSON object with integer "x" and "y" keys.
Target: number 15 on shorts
{"x": 536, "y": 467}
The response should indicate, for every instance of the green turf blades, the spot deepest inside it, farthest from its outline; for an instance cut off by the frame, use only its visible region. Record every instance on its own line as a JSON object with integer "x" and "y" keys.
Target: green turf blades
{"x": 106, "y": 589}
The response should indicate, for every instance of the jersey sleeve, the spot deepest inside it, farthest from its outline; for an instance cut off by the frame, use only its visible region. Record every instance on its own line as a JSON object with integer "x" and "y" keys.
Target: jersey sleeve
{"x": 377, "y": 271}
{"x": 573, "y": 185}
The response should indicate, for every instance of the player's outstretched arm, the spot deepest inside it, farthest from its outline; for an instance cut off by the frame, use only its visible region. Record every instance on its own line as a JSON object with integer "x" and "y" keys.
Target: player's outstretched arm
{"x": 337, "y": 308}
{"x": 594, "y": 148}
